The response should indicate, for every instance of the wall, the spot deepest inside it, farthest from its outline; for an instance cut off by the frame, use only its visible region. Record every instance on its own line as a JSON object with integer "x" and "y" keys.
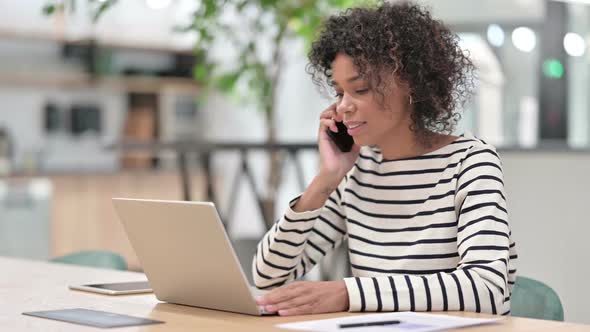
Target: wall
{"x": 548, "y": 206}
{"x": 577, "y": 69}
{"x": 131, "y": 22}
{"x": 468, "y": 11}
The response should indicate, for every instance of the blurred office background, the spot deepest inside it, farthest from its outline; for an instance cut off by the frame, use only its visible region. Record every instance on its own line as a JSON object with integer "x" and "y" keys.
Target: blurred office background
{"x": 71, "y": 89}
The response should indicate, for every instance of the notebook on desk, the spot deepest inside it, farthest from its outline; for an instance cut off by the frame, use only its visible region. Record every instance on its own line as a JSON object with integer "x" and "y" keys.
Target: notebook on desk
{"x": 186, "y": 254}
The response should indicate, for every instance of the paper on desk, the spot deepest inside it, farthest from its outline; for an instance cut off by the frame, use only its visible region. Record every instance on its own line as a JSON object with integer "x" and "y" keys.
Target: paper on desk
{"x": 410, "y": 321}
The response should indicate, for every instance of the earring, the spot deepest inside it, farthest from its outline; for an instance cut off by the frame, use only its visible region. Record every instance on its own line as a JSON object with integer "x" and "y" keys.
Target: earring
{"x": 411, "y": 101}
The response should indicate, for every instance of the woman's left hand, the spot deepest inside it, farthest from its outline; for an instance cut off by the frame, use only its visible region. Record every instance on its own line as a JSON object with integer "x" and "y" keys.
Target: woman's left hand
{"x": 306, "y": 297}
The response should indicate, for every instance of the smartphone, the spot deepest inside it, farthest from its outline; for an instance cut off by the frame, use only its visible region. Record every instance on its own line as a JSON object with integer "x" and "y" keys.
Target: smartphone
{"x": 116, "y": 288}
{"x": 342, "y": 139}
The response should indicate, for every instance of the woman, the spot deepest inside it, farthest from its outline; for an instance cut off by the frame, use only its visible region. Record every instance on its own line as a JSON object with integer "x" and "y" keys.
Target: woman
{"x": 423, "y": 212}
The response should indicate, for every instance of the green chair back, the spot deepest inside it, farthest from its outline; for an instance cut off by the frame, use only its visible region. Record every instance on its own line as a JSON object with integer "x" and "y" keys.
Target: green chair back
{"x": 533, "y": 299}
{"x": 94, "y": 258}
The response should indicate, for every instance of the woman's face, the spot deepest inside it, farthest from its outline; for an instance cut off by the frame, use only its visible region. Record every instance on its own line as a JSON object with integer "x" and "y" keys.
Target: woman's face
{"x": 367, "y": 121}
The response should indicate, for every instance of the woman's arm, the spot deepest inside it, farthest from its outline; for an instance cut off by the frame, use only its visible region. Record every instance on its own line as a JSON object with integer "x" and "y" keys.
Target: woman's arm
{"x": 315, "y": 196}
{"x": 314, "y": 223}
{"x": 299, "y": 240}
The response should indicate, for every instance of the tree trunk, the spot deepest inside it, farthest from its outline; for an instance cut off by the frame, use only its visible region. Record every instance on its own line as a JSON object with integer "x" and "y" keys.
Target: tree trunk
{"x": 274, "y": 173}
{"x": 274, "y": 176}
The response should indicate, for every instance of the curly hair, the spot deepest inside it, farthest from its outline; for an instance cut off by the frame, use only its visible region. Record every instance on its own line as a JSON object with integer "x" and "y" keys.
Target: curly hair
{"x": 399, "y": 42}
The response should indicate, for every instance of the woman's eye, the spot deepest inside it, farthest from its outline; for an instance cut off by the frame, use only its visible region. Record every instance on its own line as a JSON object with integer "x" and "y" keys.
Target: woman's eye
{"x": 362, "y": 91}
{"x": 338, "y": 95}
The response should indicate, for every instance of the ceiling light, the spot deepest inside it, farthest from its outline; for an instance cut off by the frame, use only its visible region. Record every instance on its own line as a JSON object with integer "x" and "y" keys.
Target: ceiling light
{"x": 574, "y": 44}
{"x": 495, "y": 35}
{"x": 524, "y": 39}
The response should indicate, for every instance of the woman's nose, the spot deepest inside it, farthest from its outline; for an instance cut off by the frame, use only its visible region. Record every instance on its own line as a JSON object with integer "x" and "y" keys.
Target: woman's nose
{"x": 344, "y": 106}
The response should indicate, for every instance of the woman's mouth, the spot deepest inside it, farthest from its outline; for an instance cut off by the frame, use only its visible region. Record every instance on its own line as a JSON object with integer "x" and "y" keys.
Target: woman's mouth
{"x": 355, "y": 127}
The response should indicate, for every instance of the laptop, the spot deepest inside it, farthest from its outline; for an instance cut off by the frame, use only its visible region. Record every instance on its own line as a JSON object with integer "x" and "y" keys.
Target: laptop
{"x": 186, "y": 254}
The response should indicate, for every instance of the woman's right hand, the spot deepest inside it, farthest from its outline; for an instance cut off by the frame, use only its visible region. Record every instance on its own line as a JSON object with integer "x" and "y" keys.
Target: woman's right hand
{"x": 334, "y": 164}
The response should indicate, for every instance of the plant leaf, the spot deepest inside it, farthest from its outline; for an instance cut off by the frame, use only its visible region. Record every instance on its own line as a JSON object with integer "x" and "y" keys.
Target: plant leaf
{"x": 49, "y": 9}
{"x": 227, "y": 82}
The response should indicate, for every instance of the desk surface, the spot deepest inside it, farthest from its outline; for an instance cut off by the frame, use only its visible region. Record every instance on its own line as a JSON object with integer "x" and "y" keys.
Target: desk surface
{"x": 34, "y": 286}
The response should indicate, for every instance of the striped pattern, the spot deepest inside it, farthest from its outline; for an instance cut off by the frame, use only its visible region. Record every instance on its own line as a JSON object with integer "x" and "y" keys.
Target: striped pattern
{"x": 428, "y": 233}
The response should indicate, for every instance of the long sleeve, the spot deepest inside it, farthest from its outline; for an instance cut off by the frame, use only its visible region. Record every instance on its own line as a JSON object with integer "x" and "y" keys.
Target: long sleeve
{"x": 298, "y": 241}
{"x": 480, "y": 281}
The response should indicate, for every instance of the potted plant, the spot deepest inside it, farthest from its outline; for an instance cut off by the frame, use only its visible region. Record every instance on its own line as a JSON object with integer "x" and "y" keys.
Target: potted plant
{"x": 259, "y": 52}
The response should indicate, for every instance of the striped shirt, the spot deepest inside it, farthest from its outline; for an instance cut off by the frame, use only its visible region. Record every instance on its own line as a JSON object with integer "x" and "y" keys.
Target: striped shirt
{"x": 427, "y": 233}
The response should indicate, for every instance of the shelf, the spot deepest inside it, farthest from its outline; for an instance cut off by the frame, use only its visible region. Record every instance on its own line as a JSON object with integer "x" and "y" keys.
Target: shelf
{"x": 54, "y": 37}
{"x": 139, "y": 84}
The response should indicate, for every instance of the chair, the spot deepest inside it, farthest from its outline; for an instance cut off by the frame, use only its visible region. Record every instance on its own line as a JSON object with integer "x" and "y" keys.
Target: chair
{"x": 533, "y": 299}
{"x": 94, "y": 258}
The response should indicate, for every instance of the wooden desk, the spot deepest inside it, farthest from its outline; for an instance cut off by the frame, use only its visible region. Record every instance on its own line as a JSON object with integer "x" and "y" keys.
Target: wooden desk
{"x": 32, "y": 286}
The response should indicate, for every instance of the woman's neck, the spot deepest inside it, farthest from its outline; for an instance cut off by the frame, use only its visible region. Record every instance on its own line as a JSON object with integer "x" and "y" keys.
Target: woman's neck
{"x": 408, "y": 145}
